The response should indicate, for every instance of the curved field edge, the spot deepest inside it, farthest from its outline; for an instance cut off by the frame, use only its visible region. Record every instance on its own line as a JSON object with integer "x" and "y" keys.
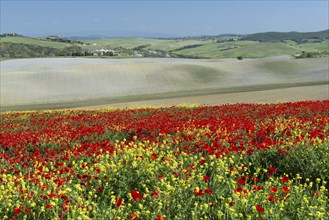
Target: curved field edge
{"x": 156, "y": 97}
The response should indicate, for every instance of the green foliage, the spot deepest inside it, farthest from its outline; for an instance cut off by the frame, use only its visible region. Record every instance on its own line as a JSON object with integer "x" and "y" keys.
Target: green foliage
{"x": 62, "y": 40}
{"x": 19, "y": 50}
{"x": 187, "y": 47}
{"x": 303, "y": 160}
{"x": 13, "y": 50}
{"x": 140, "y": 47}
{"x": 311, "y": 54}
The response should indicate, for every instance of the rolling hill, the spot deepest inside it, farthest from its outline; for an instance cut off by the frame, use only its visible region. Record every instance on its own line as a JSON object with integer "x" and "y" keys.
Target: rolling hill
{"x": 299, "y": 37}
{"x": 226, "y": 46}
{"x": 72, "y": 82}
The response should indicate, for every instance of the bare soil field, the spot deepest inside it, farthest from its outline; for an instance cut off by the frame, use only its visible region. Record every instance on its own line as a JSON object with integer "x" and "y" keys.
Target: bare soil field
{"x": 319, "y": 92}
{"x": 81, "y": 82}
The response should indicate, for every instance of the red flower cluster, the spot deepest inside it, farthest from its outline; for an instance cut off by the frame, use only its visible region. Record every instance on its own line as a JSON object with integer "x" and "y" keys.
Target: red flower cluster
{"x": 37, "y": 146}
{"x": 136, "y": 195}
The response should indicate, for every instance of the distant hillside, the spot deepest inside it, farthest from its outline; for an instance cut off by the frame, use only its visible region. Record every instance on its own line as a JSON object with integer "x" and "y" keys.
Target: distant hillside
{"x": 62, "y": 40}
{"x": 19, "y": 50}
{"x": 313, "y": 44}
{"x": 299, "y": 37}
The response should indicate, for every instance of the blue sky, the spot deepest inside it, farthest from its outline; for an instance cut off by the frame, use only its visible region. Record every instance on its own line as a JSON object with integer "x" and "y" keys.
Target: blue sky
{"x": 174, "y": 18}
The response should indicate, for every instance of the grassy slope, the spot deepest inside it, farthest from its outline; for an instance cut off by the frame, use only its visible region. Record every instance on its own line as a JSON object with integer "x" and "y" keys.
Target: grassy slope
{"x": 131, "y": 43}
{"x": 314, "y": 47}
{"x": 280, "y": 36}
{"x": 249, "y": 49}
{"x": 35, "y": 41}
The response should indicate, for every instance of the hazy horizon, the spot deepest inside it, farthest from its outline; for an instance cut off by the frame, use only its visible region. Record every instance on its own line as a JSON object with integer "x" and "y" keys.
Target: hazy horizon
{"x": 160, "y": 18}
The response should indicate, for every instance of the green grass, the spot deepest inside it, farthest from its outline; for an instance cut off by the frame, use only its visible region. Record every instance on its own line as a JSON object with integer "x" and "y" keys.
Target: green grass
{"x": 130, "y": 43}
{"x": 208, "y": 48}
{"x": 34, "y": 41}
{"x": 247, "y": 49}
{"x": 314, "y": 47}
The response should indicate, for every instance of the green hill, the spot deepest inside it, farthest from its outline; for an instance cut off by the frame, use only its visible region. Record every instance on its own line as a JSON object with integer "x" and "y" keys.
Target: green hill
{"x": 20, "y": 50}
{"x": 34, "y": 41}
{"x": 299, "y": 37}
{"x": 250, "y": 46}
{"x": 249, "y": 49}
{"x": 18, "y": 46}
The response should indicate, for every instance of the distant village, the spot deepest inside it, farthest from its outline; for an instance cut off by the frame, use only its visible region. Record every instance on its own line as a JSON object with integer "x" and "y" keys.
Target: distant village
{"x": 137, "y": 52}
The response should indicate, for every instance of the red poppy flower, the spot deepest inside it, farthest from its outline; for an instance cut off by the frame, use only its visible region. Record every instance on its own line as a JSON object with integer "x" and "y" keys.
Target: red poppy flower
{"x": 231, "y": 203}
{"x": 159, "y": 217}
{"x": 160, "y": 176}
{"x": 208, "y": 191}
{"x": 206, "y": 178}
{"x": 133, "y": 216}
{"x": 237, "y": 189}
{"x": 66, "y": 208}
{"x": 272, "y": 198}
{"x": 241, "y": 181}
{"x": 198, "y": 192}
{"x": 17, "y": 211}
{"x": 255, "y": 179}
{"x": 259, "y": 208}
{"x": 155, "y": 194}
{"x": 136, "y": 196}
{"x": 285, "y": 189}
{"x": 153, "y": 156}
{"x": 29, "y": 211}
{"x": 257, "y": 188}
{"x": 272, "y": 169}
{"x": 284, "y": 179}
{"x": 48, "y": 206}
{"x": 273, "y": 189}
{"x": 118, "y": 202}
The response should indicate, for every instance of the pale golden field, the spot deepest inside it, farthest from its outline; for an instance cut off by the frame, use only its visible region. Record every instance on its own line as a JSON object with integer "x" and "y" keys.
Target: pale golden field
{"x": 79, "y": 82}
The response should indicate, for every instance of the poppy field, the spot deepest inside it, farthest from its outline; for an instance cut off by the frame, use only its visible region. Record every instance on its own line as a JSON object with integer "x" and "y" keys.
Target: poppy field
{"x": 234, "y": 161}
